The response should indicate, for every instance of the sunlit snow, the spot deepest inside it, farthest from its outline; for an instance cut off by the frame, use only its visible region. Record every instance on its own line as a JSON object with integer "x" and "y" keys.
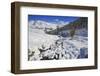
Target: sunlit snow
{"x": 44, "y": 46}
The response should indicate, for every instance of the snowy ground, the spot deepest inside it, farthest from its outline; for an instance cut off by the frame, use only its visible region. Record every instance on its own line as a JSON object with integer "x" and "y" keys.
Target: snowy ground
{"x": 43, "y": 46}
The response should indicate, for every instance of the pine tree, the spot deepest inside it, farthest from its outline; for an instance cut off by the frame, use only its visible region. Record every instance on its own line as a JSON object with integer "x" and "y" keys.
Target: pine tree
{"x": 57, "y": 30}
{"x": 72, "y": 32}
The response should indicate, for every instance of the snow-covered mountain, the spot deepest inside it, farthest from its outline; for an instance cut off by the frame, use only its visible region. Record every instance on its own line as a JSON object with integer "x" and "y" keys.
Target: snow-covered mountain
{"x": 43, "y": 24}
{"x": 44, "y": 46}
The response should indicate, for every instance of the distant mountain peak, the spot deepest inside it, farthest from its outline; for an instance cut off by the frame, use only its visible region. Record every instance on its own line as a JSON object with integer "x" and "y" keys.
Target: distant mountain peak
{"x": 44, "y": 24}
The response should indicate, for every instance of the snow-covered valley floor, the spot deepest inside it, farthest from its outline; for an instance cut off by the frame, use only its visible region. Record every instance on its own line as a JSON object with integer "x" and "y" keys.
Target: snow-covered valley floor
{"x": 43, "y": 46}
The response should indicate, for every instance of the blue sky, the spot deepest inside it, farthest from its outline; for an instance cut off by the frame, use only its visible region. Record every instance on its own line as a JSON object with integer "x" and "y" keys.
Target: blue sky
{"x": 53, "y": 19}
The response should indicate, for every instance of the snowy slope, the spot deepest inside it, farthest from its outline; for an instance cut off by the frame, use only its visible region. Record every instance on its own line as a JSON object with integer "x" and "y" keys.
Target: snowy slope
{"x": 69, "y": 50}
{"x": 44, "y": 46}
{"x": 38, "y": 37}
